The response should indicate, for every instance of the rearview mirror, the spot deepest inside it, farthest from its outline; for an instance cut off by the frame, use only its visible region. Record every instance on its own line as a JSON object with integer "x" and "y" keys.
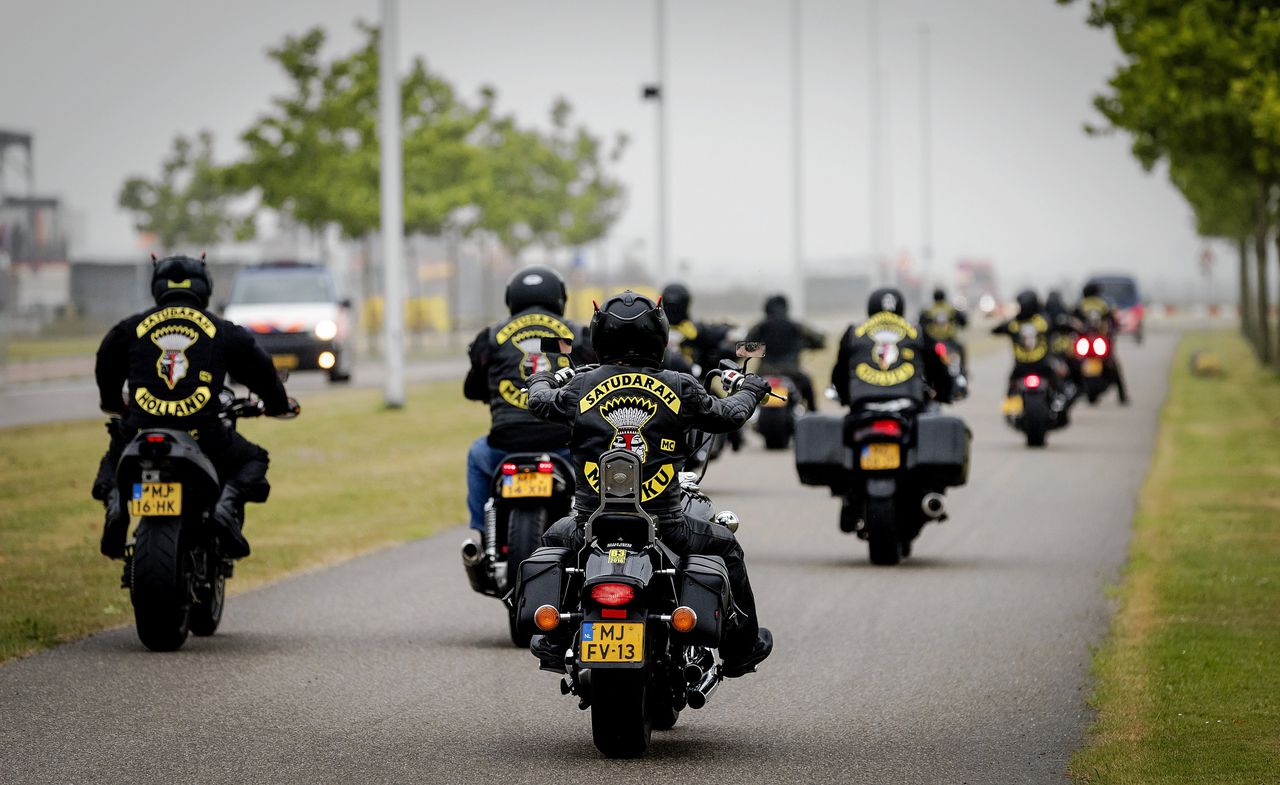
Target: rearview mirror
{"x": 750, "y": 350}
{"x": 556, "y": 346}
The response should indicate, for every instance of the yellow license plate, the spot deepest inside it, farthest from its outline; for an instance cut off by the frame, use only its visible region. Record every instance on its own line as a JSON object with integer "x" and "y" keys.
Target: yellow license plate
{"x": 287, "y": 361}
{"x": 156, "y": 498}
{"x": 878, "y": 457}
{"x": 1092, "y": 367}
{"x": 1012, "y": 406}
{"x": 526, "y": 485}
{"x": 612, "y": 641}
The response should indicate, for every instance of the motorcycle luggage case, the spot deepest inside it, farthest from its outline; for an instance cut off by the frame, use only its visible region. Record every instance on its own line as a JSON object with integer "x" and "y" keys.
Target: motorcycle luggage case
{"x": 704, "y": 587}
{"x": 822, "y": 458}
{"x": 540, "y": 582}
{"x": 941, "y": 449}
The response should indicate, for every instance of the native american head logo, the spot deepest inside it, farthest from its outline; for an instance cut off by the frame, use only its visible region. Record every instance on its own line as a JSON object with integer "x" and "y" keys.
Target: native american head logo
{"x": 173, "y": 341}
{"x": 886, "y": 350}
{"x": 628, "y": 416}
{"x": 533, "y": 360}
{"x": 1029, "y": 334}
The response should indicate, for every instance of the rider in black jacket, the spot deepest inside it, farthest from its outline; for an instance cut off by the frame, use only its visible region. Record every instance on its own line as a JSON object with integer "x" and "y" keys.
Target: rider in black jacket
{"x": 785, "y": 339}
{"x": 699, "y": 346}
{"x": 886, "y": 357}
{"x": 631, "y": 402}
{"x": 175, "y": 358}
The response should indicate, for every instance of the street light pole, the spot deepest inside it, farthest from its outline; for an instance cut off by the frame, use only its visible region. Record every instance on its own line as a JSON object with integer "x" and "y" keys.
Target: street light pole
{"x": 660, "y": 55}
{"x": 392, "y": 195}
{"x": 797, "y": 160}
{"x": 873, "y": 120}
{"x": 926, "y": 154}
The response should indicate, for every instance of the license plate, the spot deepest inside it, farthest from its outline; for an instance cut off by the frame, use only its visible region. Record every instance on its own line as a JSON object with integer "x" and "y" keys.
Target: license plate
{"x": 1092, "y": 367}
{"x": 610, "y": 641}
{"x": 878, "y": 457}
{"x": 1012, "y": 406}
{"x": 156, "y": 498}
{"x": 287, "y": 361}
{"x": 526, "y": 485}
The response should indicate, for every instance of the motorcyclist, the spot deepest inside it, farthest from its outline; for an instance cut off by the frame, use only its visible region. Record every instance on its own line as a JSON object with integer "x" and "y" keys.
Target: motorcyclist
{"x": 697, "y": 346}
{"x": 631, "y": 401}
{"x": 784, "y": 340}
{"x": 1030, "y": 332}
{"x": 503, "y": 356}
{"x": 942, "y": 322}
{"x": 175, "y": 358}
{"x": 1098, "y": 317}
{"x": 1062, "y": 342}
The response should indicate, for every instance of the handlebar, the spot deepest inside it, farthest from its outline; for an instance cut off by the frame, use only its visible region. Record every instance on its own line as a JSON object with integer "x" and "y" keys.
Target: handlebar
{"x": 244, "y": 408}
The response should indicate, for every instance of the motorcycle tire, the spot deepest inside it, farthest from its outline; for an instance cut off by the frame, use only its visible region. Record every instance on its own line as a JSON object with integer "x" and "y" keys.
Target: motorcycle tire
{"x": 882, "y": 536}
{"x": 660, "y": 708}
{"x": 206, "y": 614}
{"x": 160, "y": 584}
{"x": 774, "y": 427}
{"x": 620, "y": 725}
{"x": 1035, "y": 420}
{"x": 525, "y": 527}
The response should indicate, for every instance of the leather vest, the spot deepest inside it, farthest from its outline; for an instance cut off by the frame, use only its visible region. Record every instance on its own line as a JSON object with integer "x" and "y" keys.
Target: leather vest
{"x": 886, "y": 360}
{"x": 515, "y": 352}
{"x": 177, "y": 365}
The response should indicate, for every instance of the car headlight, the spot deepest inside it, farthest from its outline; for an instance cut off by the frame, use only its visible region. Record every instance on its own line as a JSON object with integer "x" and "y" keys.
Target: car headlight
{"x": 326, "y": 329}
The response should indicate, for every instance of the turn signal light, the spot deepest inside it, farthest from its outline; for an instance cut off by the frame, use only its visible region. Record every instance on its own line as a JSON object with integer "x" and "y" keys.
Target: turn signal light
{"x": 1100, "y": 346}
{"x": 1082, "y": 346}
{"x": 683, "y": 619}
{"x": 613, "y": 593}
{"x": 546, "y": 618}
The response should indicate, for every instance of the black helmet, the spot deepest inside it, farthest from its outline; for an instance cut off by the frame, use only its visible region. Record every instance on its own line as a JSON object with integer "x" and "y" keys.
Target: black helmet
{"x": 1092, "y": 289}
{"x": 1053, "y": 304}
{"x": 629, "y": 328}
{"x": 538, "y": 285}
{"x": 939, "y": 295}
{"x": 885, "y": 299}
{"x": 176, "y": 278}
{"x": 676, "y": 301}
{"x": 776, "y": 306}
{"x": 1028, "y": 303}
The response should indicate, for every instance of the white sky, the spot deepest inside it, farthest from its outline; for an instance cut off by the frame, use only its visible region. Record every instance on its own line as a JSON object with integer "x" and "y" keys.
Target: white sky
{"x": 106, "y": 85}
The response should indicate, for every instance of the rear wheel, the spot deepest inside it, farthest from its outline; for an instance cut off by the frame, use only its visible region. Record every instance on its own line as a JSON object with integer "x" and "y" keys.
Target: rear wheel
{"x": 206, "y": 614}
{"x": 882, "y": 535}
{"x": 160, "y": 584}
{"x": 1035, "y": 420}
{"x": 524, "y": 534}
{"x": 620, "y": 726}
{"x": 774, "y": 427}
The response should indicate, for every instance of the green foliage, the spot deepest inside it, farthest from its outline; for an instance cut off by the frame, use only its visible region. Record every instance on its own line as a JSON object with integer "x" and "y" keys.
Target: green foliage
{"x": 190, "y": 202}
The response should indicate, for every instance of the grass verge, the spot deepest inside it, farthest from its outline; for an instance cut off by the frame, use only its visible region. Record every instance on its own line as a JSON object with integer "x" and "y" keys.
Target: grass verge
{"x": 348, "y": 477}
{"x": 1188, "y": 684}
{"x": 51, "y": 348}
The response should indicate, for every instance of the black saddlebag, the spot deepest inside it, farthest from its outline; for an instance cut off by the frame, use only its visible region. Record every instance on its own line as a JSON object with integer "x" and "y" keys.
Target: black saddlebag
{"x": 941, "y": 450}
{"x": 822, "y": 458}
{"x": 540, "y": 582}
{"x": 704, "y": 587}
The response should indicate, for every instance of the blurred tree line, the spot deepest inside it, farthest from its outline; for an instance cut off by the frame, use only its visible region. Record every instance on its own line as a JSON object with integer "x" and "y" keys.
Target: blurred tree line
{"x": 469, "y": 169}
{"x": 1199, "y": 89}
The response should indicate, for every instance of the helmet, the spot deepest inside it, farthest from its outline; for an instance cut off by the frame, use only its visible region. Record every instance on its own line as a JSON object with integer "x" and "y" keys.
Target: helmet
{"x": 630, "y": 329}
{"x": 776, "y": 306}
{"x": 885, "y": 299}
{"x": 1028, "y": 303}
{"x": 1092, "y": 290}
{"x": 939, "y": 295}
{"x": 537, "y": 285}
{"x": 676, "y": 301}
{"x": 1053, "y": 304}
{"x": 175, "y": 278}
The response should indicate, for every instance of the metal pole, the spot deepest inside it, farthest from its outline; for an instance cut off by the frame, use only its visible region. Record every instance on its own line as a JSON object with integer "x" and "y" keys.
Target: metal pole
{"x": 797, "y": 160}
{"x": 661, "y": 263}
{"x": 873, "y": 121}
{"x": 926, "y": 155}
{"x": 392, "y": 209}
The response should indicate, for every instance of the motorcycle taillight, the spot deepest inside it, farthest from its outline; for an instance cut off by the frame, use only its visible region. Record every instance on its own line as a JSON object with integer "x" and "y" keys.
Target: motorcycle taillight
{"x": 1031, "y": 382}
{"x": 887, "y": 428}
{"x": 1100, "y": 346}
{"x": 613, "y": 593}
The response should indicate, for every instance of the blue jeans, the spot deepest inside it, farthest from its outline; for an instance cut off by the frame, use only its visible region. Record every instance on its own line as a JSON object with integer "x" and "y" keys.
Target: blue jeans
{"x": 482, "y": 462}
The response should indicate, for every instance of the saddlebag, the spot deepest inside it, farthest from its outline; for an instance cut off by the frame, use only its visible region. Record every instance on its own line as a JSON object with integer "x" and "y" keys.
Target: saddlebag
{"x": 941, "y": 450}
{"x": 822, "y": 458}
{"x": 704, "y": 587}
{"x": 540, "y": 582}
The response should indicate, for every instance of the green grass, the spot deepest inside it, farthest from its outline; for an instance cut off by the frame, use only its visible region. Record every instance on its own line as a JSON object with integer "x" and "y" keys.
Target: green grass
{"x": 52, "y": 348}
{"x": 1189, "y": 680}
{"x": 347, "y": 476}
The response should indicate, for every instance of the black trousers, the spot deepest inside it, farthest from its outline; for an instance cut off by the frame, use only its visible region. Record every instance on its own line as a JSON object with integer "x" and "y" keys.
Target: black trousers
{"x": 686, "y": 536}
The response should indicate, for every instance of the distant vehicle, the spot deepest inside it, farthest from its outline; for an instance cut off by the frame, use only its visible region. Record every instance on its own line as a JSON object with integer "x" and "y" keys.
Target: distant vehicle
{"x": 294, "y": 312}
{"x": 976, "y": 286}
{"x": 1122, "y": 292}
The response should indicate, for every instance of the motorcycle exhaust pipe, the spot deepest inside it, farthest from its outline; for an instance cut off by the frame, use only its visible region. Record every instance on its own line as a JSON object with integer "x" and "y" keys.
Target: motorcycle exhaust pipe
{"x": 934, "y": 505}
{"x": 474, "y": 564}
{"x": 698, "y": 693}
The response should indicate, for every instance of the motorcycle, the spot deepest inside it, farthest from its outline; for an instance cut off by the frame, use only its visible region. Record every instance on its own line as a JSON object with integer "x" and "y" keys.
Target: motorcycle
{"x": 1037, "y": 406}
{"x": 530, "y": 491}
{"x": 174, "y": 567}
{"x": 645, "y": 623}
{"x": 952, "y": 357}
{"x": 892, "y": 462}
{"x": 776, "y": 417}
{"x": 1094, "y": 352}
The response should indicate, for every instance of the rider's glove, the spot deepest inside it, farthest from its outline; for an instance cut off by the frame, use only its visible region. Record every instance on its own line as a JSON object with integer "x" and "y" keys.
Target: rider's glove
{"x": 542, "y": 376}
{"x": 565, "y": 374}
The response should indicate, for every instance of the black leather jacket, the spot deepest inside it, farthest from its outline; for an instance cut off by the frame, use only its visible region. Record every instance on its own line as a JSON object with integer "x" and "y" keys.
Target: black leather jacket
{"x": 885, "y": 357}
{"x": 784, "y": 340}
{"x": 646, "y": 410}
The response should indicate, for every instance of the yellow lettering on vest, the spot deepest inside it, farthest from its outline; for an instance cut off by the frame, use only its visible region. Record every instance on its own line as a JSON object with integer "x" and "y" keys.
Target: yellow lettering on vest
{"x": 553, "y": 324}
{"x": 650, "y": 490}
{"x": 888, "y": 378}
{"x": 159, "y": 407}
{"x": 513, "y": 394}
{"x": 193, "y": 315}
{"x": 631, "y": 381}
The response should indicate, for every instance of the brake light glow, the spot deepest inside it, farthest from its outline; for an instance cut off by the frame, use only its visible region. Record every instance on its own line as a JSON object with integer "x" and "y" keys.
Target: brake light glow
{"x": 1082, "y": 346}
{"x": 155, "y": 438}
{"x": 508, "y": 468}
{"x": 887, "y": 427}
{"x": 546, "y": 467}
{"x": 940, "y": 349}
{"x": 1032, "y": 382}
{"x": 613, "y": 593}
{"x": 1100, "y": 346}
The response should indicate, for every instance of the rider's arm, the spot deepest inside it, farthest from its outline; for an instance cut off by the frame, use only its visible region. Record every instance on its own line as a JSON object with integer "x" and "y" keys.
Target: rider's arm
{"x": 812, "y": 338}
{"x": 840, "y": 372}
{"x": 722, "y": 415}
{"x": 476, "y": 386}
{"x": 111, "y": 369}
{"x": 936, "y": 373}
{"x": 962, "y": 318}
{"x": 1001, "y": 329}
{"x": 551, "y": 403}
{"x": 250, "y": 365}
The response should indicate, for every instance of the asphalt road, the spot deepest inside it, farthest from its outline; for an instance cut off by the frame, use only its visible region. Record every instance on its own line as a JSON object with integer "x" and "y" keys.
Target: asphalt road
{"x": 967, "y": 664}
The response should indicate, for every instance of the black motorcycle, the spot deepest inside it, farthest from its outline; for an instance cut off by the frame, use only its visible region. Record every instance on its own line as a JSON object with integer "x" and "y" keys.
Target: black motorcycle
{"x": 1038, "y": 403}
{"x": 1097, "y": 366}
{"x": 530, "y": 491}
{"x": 952, "y": 356}
{"x": 892, "y": 462}
{"x": 174, "y": 567}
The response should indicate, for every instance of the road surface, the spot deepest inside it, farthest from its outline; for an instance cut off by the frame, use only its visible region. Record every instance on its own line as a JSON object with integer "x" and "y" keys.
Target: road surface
{"x": 967, "y": 664}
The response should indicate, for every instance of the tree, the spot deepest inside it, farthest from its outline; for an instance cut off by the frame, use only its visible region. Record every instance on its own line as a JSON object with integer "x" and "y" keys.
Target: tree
{"x": 190, "y": 203}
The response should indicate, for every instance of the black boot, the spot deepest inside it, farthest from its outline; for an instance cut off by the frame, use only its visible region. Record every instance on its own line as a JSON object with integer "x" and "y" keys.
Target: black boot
{"x": 550, "y": 652}
{"x": 228, "y": 515}
{"x": 115, "y": 527}
{"x": 736, "y": 665}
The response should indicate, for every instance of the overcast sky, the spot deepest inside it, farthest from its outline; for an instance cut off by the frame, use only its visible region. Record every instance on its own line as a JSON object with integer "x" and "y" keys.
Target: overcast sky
{"x": 106, "y": 85}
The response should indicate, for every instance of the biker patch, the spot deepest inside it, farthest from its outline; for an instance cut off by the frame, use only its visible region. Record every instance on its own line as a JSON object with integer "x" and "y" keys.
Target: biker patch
{"x": 173, "y": 341}
{"x": 526, "y": 333}
{"x": 192, "y": 315}
{"x": 651, "y": 489}
{"x": 1030, "y": 344}
{"x": 550, "y": 327}
{"x": 630, "y": 381}
{"x": 158, "y": 407}
{"x": 886, "y": 330}
{"x": 627, "y": 415}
